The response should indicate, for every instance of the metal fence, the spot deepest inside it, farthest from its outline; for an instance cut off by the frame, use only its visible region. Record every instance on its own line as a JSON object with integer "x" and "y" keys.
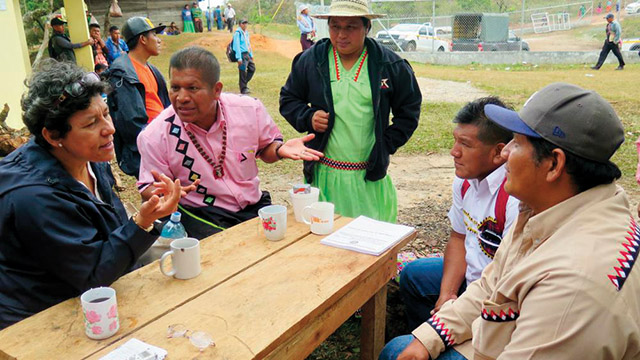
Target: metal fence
{"x": 472, "y": 25}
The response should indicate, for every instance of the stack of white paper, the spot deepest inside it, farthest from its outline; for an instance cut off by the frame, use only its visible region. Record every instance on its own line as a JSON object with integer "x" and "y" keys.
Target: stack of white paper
{"x": 135, "y": 349}
{"x": 368, "y": 236}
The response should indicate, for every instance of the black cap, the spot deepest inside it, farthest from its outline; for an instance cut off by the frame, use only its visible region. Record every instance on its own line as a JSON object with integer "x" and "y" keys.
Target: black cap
{"x": 138, "y": 25}
{"x": 609, "y": 16}
{"x": 244, "y": 21}
{"x": 57, "y": 20}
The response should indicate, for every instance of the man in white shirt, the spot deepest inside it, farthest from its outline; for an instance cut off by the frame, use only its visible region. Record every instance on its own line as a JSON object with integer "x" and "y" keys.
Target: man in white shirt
{"x": 230, "y": 17}
{"x": 481, "y": 212}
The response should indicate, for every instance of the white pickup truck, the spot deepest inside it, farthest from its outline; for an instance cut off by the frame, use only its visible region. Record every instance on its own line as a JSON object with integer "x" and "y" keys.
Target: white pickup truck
{"x": 412, "y": 37}
{"x": 630, "y": 44}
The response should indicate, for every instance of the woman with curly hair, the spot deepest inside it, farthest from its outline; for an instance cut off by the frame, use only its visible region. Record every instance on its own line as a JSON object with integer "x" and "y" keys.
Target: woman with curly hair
{"x": 62, "y": 228}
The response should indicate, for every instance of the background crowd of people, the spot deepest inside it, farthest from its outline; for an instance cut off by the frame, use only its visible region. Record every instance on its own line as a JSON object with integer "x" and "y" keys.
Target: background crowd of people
{"x": 194, "y": 18}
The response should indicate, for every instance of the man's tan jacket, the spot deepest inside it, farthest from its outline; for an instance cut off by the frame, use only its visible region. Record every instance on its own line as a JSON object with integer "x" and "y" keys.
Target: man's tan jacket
{"x": 562, "y": 286}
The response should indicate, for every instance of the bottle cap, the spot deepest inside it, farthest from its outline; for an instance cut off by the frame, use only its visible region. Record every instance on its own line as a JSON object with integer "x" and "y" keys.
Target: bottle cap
{"x": 175, "y": 217}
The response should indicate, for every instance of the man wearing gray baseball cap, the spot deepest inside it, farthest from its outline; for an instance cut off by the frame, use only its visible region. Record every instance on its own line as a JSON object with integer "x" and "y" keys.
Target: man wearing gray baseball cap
{"x": 139, "y": 90}
{"x": 563, "y": 275}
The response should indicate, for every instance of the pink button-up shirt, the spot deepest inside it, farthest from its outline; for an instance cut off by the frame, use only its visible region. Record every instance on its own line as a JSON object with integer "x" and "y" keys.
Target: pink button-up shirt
{"x": 165, "y": 147}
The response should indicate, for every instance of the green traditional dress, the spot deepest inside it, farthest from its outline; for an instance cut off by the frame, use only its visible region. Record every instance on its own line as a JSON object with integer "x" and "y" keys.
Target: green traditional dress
{"x": 349, "y": 145}
{"x": 188, "y": 22}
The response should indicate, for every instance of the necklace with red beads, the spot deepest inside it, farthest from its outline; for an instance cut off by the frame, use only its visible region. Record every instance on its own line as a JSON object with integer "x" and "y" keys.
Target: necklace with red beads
{"x": 363, "y": 57}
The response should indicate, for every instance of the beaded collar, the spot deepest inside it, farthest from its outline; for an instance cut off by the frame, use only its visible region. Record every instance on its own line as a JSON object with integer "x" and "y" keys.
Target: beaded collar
{"x": 363, "y": 57}
{"x": 218, "y": 169}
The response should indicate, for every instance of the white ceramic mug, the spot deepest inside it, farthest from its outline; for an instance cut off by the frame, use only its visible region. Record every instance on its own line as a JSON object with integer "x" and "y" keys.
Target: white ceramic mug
{"x": 100, "y": 310}
{"x": 320, "y": 216}
{"x": 185, "y": 258}
{"x": 273, "y": 219}
{"x": 300, "y": 201}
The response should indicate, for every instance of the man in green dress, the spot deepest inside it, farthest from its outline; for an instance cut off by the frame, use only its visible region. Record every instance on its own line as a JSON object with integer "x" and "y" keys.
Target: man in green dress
{"x": 343, "y": 90}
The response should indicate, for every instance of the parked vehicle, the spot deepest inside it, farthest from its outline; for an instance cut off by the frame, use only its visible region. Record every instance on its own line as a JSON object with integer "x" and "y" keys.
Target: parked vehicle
{"x": 412, "y": 37}
{"x": 443, "y": 32}
{"x": 630, "y": 44}
{"x": 633, "y": 8}
{"x": 484, "y": 32}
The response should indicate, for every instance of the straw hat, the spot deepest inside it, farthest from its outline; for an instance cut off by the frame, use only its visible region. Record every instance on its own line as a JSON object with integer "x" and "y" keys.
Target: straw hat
{"x": 350, "y": 8}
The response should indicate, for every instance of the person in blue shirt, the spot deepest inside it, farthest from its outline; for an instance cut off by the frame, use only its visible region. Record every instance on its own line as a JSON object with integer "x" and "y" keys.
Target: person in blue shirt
{"x": 115, "y": 45}
{"x": 208, "y": 14}
{"x": 187, "y": 20}
{"x": 307, "y": 27}
{"x": 218, "y": 18}
{"x": 244, "y": 56}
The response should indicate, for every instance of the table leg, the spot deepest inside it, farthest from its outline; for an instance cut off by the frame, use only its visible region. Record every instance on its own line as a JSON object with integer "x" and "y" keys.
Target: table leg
{"x": 374, "y": 314}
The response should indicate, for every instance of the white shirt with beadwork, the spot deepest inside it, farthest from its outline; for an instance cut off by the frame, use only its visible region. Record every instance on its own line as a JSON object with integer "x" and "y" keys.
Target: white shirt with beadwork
{"x": 470, "y": 215}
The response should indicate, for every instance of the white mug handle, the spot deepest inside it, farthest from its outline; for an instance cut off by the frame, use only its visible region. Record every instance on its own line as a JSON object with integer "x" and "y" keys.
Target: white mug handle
{"x": 304, "y": 215}
{"x": 164, "y": 256}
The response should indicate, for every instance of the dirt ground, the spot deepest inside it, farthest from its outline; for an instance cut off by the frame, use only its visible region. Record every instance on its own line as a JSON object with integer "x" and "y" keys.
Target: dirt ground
{"x": 566, "y": 41}
{"x": 287, "y": 48}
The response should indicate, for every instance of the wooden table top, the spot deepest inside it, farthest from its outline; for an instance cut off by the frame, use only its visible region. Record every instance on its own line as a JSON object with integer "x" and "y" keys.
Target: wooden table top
{"x": 252, "y": 296}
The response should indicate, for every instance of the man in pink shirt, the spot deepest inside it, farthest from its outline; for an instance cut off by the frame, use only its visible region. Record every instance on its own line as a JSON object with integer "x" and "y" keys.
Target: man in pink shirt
{"x": 212, "y": 140}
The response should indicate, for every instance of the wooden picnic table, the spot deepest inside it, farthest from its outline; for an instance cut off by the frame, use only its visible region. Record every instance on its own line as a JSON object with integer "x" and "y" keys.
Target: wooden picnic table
{"x": 256, "y": 298}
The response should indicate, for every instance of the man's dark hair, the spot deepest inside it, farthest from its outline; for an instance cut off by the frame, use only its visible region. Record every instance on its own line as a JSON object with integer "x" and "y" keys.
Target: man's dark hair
{"x": 365, "y": 22}
{"x": 584, "y": 173}
{"x": 197, "y": 58}
{"x": 113, "y": 28}
{"x": 133, "y": 42}
{"x": 40, "y": 108}
{"x": 94, "y": 25}
{"x": 99, "y": 67}
{"x": 488, "y": 132}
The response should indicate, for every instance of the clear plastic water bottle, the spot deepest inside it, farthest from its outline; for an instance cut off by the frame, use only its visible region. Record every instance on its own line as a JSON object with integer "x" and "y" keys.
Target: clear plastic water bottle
{"x": 172, "y": 230}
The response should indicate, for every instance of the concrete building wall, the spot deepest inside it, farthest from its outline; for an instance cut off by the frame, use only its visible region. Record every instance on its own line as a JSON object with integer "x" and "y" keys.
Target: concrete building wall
{"x": 505, "y": 57}
{"x": 158, "y": 11}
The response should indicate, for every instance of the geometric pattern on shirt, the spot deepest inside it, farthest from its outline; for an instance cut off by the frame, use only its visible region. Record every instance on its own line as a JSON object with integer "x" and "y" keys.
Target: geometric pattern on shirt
{"x": 187, "y": 161}
{"x": 344, "y": 165}
{"x": 503, "y": 316}
{"x": 494, "y": 225}
{"x": 628, "y": 256}
{"x": 444, "y": 333}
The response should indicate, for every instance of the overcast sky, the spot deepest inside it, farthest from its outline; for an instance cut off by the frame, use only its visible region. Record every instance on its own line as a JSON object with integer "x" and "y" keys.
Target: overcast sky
{"x": 212, "y": 3}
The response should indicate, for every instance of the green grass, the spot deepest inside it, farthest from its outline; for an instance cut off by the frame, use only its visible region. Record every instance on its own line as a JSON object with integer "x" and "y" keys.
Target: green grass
{"x": 518, "y": 83}
{"x": 630, "y": 27}
{"x": 278, "y": 31}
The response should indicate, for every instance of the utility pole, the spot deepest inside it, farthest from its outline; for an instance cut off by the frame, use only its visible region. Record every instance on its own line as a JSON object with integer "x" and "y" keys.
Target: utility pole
{"x": 522, "y": 25}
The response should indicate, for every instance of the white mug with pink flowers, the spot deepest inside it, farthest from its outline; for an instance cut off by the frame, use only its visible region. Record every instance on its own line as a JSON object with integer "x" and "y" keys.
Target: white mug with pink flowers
{"x": 100, "y": 312}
